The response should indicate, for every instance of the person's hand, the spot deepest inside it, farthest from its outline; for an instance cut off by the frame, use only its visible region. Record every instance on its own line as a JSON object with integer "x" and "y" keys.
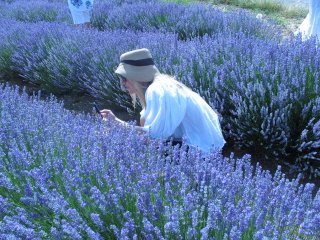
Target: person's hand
{"x": 107, "y": 114}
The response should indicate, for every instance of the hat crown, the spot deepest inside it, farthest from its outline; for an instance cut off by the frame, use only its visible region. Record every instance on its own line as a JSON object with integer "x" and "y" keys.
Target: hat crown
{"x": 137, "y": 65}
{"x": 138, "y": 54}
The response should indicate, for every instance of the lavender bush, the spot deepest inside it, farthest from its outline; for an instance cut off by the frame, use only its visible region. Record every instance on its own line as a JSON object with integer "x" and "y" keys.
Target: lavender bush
{"x": 36, "y": 11}
{"x": 274, "y": 102}
{"x": 45, "y": 10}
{"x": 60, "y": 58}
{"x": 261, "y": 88}
{"x": 151, "y": 16}
{"x": 176, "y": 18}
{"x": 71, "y": 176}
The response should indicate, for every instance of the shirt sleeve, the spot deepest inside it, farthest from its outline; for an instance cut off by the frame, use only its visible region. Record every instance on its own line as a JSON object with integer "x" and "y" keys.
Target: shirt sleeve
{"x": 165, "y": 110}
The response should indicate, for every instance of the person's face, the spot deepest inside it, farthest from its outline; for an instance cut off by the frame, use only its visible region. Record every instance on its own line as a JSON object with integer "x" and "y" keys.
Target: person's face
{"x": 128, "y": 85}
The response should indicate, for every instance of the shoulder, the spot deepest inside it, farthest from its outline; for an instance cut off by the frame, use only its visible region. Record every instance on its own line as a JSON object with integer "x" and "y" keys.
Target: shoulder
{"x": 165, "y": 86}
{"x": 155, "y": 89}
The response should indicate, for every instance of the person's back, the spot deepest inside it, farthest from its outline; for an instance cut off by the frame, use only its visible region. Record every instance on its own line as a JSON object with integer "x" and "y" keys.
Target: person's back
{"x": 202, "y": 124}
{"x": 175, "y": 111}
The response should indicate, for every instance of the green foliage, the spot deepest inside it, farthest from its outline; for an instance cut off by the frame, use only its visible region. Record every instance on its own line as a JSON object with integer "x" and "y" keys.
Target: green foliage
{"x": 180, "y": 1}
{"x": 262, "y": 5}
{"x": 5, "y": 61}
{"x": 270, "y": 7}
{"x": 295, "y": 12}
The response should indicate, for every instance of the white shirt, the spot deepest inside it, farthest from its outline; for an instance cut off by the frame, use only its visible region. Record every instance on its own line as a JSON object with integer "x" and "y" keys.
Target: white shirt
{"x": 176, "y": 111}
{"x": 80, "y": 5}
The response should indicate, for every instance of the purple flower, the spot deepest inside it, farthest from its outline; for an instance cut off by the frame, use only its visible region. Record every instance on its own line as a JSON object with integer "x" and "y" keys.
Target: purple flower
{"x": 97, "y": 220}
{"x": 67, "y": 175}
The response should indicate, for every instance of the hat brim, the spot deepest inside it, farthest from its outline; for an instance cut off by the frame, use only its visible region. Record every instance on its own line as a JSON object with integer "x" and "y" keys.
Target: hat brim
{"x": 137, "y": 74}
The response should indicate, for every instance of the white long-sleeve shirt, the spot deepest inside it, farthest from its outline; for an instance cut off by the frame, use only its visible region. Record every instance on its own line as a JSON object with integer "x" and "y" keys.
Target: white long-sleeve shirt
{"x": 178, "y": 112}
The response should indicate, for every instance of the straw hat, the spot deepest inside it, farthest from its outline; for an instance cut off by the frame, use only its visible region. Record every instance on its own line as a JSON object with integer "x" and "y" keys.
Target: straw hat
{"x": 137, "y": 65}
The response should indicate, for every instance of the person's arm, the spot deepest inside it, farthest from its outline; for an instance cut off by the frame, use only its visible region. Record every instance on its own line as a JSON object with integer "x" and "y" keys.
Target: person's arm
{"x": 108, "y": 114}
{"x": 142, "y": 121}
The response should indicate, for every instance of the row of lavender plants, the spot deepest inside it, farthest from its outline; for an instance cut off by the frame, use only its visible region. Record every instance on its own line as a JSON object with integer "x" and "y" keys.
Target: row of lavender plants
{"x": 50, "y": 10}
{"x": 188, "y": 21}
{"x": 67, "y": 176}
{"x": 35, "y": 11}
{"x": 150, "y": 16}
{"x": 267, "y": 93}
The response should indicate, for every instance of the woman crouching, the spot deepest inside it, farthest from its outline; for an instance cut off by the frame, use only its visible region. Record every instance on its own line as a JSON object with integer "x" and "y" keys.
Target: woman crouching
{"x": 170, "y": 110}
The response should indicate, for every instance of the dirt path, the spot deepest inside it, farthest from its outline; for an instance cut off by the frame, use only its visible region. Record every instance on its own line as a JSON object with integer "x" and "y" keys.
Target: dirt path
{"x": 288, "y": 19}
{"x": 303, "y": 3}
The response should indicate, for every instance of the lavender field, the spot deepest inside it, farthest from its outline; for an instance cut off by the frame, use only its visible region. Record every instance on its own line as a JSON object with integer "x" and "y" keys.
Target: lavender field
{"x": 71, "y": 176}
